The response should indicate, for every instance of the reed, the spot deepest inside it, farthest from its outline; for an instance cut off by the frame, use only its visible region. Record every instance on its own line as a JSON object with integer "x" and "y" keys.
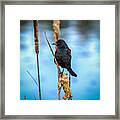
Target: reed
{"x": 34, "y": 97}
{"x": 32, "y": 78}
{"x": 61, "y": 78}
{"x": 64, "y": 83}
{"x": 56, "y": 30}
{"x": 25, "y": 97}
{"x": 53, "y": 56}
{"x": 35, "y": 24}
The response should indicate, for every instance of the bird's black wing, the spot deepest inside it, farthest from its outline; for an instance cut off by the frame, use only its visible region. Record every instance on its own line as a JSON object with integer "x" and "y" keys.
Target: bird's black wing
{"x": 58, "y": 56}
{"x": 63, "y": 57}
{"x": 66, "y": 57}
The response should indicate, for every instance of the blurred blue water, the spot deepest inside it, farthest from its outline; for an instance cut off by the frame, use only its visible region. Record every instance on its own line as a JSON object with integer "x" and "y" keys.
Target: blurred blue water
{"x": 83, "y": 38}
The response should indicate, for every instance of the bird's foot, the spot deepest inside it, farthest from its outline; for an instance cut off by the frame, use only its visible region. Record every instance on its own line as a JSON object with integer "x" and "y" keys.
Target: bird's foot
{"x": 70, "y": 98}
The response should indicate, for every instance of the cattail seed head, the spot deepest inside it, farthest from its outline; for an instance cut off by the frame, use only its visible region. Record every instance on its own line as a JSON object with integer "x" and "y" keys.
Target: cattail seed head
{"x": 35, "y": 23}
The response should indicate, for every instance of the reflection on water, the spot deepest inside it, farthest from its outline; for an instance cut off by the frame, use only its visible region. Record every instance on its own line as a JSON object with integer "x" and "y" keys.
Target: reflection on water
{"x": 83, "y": 37}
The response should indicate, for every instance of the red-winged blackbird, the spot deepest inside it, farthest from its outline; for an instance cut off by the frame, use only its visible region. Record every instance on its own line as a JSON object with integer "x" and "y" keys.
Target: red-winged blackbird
{"x": 63, "y": 56}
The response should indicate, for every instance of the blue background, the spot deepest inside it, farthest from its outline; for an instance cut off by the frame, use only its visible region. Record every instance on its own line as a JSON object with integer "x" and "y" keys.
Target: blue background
{"x": 83, "y": 38}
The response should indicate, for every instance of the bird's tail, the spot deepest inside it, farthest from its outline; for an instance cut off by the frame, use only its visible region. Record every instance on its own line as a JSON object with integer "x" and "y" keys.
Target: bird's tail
{"x": 72, "y": 73}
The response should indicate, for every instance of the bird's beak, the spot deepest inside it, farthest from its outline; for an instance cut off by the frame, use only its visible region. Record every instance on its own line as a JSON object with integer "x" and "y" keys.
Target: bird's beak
{"x": 53, "y": 43}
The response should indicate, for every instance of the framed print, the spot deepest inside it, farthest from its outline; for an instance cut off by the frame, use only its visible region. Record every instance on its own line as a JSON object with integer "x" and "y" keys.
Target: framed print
{"x": 60, "y": 59}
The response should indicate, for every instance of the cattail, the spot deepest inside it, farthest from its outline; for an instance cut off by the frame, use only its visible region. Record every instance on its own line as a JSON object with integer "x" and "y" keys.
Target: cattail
{"x": 35, "y": 24}
{"x": 56, "y": 28}
{"x": 68, "y": 94}
{"x": 36, "y": 36}
{"x": 64, "y": 82}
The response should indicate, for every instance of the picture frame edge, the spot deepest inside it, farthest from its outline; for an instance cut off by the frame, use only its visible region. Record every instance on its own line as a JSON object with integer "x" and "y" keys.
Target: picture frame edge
{"x": 2, "y": 61}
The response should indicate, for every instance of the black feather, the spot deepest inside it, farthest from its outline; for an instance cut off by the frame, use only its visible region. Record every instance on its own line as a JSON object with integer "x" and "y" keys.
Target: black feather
{"x": 63, "y": 56}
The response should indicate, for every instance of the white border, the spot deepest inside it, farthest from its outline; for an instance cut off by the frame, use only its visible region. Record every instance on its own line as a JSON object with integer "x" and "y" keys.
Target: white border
{"x": 104, "y": 13}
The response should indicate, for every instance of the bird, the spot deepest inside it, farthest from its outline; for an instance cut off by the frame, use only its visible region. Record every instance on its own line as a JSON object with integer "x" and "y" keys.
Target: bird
{"x": 63, "y": 56}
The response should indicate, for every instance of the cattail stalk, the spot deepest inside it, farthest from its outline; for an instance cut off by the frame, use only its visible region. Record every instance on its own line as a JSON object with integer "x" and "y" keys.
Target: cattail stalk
{"x": 54, "y": 58}
{"x": 51, "y": 49}
{"x": 56, "y": 29}
{"x": 32, "y": 77}
{"x": 35, "y": 24}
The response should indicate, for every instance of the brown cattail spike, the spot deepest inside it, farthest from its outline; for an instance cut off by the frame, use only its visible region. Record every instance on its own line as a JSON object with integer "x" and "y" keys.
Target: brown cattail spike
{"x": 35, "y": 23}
{"x": 56, "y": 28}
{"x": 64, "y": 82}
